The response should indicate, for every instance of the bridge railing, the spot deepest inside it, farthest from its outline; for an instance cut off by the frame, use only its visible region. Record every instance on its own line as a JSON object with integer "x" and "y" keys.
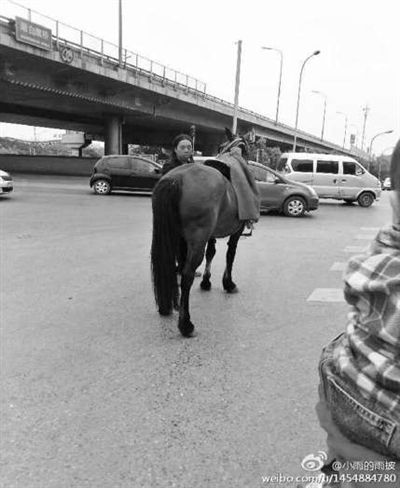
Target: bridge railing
{"x": 84, "y": 42}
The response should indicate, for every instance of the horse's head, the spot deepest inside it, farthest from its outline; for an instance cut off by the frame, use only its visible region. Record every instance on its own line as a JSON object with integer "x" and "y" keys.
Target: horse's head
{"x": 234, "y": 141}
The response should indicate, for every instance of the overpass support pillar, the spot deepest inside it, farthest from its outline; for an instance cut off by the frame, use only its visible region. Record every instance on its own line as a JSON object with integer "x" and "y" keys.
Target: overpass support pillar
{"x": 113, "y": 139}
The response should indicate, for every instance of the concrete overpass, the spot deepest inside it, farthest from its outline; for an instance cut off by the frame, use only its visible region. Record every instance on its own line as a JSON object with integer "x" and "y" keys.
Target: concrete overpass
{"x": 50, "y": 81}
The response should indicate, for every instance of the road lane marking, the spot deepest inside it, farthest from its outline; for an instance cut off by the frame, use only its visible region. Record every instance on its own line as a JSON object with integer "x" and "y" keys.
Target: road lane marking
{"x": 355, "y": 249}
{"x": 326, "y": 295}
{"x": 338, "y": 266}
{"x": 365, "y": 237}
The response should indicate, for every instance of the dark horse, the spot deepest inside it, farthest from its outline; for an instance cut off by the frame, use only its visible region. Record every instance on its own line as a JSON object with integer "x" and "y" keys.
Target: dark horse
{"x": 192, "y": 205}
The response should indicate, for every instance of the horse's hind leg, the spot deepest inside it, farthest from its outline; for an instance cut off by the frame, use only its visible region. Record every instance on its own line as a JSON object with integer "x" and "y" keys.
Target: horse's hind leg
{"x": 181, "y": 255}
{"x": 210, "y": 253}
{"x": 227, "y": 281}
{"x": 195, "y": 254}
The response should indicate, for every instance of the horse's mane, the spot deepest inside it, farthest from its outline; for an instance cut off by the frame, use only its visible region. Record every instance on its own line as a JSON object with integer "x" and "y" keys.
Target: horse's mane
{"x": 234, "y": 140}
{"x": 239, "y": 142}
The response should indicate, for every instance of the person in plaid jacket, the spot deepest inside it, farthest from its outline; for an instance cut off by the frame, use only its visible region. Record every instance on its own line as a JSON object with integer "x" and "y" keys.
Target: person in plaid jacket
{"x": 359, "y": 404}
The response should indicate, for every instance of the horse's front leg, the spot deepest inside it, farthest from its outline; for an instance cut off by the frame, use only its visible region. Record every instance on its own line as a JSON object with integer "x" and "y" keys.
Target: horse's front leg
{"x": 193, "y": 260}
{"x": 227, "y": 281}
{"x": 210, "y": 253}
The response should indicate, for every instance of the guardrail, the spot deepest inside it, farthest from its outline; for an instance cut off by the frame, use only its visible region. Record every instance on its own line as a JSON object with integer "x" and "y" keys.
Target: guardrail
{"x": 66, "y": 34}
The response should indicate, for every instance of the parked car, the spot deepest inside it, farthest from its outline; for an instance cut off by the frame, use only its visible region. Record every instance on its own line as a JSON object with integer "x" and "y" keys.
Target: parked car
{"x": 279, "y": 193}
{"x": 332, "y": 176}
{"x": 126, "y": 172}
{"x": 387, "y": 185}
{"x": 6, "y": 183}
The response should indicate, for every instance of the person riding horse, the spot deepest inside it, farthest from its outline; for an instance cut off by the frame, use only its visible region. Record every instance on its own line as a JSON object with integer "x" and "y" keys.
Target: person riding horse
{"x": 244, "y": 184}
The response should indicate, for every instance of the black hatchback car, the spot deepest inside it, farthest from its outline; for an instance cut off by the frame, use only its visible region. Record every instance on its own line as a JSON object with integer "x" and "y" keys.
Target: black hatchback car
{"x": 126, "y": 172}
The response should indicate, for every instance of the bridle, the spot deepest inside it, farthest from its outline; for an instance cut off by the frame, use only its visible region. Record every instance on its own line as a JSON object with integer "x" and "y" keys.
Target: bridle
{"x": 237, "y": 142}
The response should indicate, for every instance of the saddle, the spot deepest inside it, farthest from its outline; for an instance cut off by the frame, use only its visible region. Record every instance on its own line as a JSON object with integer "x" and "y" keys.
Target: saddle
{"x": 220, "y": 166}
{"x": 234, "y": 169}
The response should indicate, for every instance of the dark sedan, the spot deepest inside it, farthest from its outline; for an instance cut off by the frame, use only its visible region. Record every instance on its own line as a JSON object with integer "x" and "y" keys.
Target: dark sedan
{"x": 126, "y": 172}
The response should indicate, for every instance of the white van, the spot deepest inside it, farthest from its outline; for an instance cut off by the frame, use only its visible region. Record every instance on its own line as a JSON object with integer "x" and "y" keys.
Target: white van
{"x": 332, "y": 176}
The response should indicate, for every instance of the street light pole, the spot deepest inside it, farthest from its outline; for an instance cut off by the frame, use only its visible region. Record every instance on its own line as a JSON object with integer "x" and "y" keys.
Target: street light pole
{"x": 120, "y": 33}
{"x": 365, "y": 110}
{"x": 372, "y": 141}
{"x": 377, "y": 135}
{"x": 345, "y": 127}
{"x": 323, "y": 117}
{"x": 237, "y": 83}
{"x": 315, "y": 53}
{"x": 280, "y": 78}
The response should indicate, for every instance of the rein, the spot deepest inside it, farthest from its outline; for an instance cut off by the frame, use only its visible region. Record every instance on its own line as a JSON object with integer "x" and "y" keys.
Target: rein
{"x": 235, "y": 143}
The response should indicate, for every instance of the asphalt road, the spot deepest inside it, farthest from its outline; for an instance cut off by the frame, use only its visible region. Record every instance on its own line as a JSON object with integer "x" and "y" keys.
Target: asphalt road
{"x": 101, "y": 392}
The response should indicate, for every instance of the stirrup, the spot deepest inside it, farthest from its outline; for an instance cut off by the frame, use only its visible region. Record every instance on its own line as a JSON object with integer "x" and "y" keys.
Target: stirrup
{"x": 248, "y": 224}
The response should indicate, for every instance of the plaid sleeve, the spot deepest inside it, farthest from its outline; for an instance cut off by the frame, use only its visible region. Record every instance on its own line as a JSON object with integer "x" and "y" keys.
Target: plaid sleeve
{"x": 372, "y": 287}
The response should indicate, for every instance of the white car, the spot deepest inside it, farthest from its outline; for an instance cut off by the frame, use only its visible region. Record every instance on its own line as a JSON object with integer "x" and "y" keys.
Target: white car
{"x": 386, "y": 185}
{"x": 6, "y": 182}
{"x": 332, "y": 176}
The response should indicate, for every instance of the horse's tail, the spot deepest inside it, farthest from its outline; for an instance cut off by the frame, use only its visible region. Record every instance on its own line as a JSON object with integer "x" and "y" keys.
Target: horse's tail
{"x": 164, "y": 248}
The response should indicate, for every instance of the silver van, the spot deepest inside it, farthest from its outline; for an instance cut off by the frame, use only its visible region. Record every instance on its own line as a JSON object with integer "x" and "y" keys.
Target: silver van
{"x": 332, "y": 176}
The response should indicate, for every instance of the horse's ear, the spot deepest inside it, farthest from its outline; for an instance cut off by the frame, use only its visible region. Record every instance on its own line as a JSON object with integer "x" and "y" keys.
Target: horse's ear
{"x": 250, "y": 136}
{"x": 395, "y": 168}
{"x": 229, "y": 134}
{"x": 246, "y": 137}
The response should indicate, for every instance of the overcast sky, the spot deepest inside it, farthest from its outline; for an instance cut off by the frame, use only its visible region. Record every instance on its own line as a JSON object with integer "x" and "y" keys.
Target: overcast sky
{"x": 358, "y": 65}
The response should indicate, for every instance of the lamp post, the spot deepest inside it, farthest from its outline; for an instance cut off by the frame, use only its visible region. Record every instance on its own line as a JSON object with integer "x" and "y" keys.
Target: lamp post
{"x": 323, "y": 117}
{"x": 237, "y": 83}
{"x": 315, "y": 53}
{"x": 377, "y": 135}
{"x": 365, "y": 110}
{"x": 120, "y": 33}
{"x": 372, "y": 141}
{"x": 280, "y": 78}
{"x": 345, "y": 127}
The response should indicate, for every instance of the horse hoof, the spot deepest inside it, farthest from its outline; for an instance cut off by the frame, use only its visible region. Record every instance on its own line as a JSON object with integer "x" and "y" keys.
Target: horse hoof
{"x": 164, "y": 311}
{"x": 231, "y": 289}
{"x": 205, "y": 285}
{"x": 187, "y": 329}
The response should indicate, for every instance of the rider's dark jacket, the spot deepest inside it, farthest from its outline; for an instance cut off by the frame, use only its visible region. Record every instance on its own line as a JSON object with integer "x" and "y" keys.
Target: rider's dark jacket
{"x": 174, "y": 162}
